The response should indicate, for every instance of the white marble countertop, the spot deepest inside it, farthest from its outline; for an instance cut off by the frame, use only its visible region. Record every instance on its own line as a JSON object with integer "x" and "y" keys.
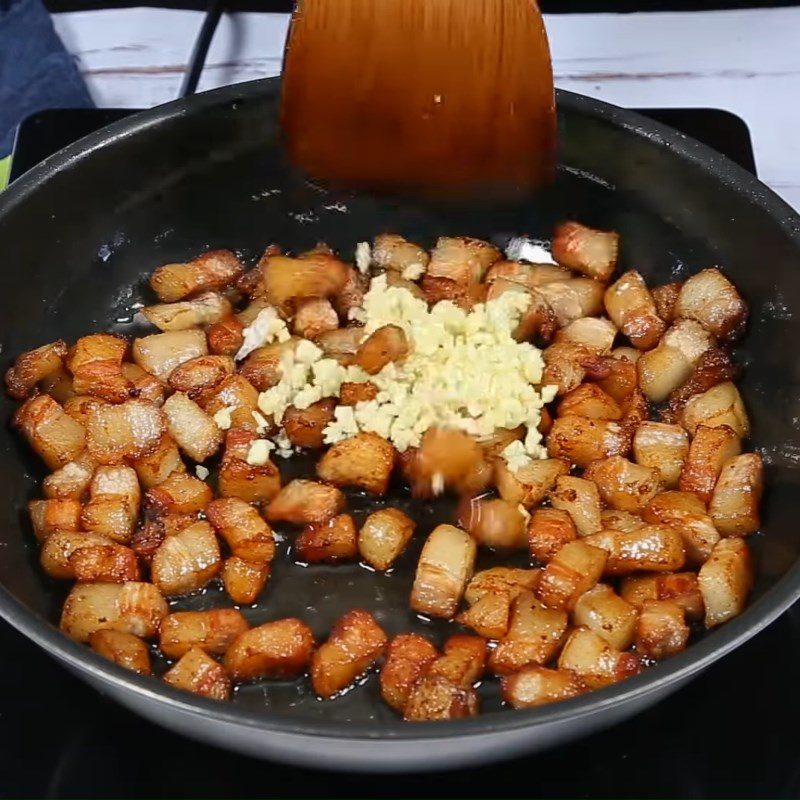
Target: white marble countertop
{"x": 747, "y": 62}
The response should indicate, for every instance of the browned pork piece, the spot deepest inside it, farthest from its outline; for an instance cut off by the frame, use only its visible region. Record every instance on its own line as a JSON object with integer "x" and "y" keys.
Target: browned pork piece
{"x": 355, "y": 643}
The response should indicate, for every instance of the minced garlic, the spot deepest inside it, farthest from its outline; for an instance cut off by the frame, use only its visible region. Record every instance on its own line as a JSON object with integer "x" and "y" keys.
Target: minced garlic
{"x": 259, "y": 451}
{"x": 201, "y": 472}
{"x": 465, "y": 370}
{"x": 266, "y": 328}
{"x": 222, "y": 419}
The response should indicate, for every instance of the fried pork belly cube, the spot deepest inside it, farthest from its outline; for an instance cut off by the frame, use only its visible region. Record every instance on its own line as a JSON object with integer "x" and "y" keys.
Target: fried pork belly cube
{"x": 549, "y": 529}
{"x": 580, "y": 498}
{"x": 530, "y": 484}
{"x": 244, "y": 580}
{"x": 596, "y": 333}
{"x": 386, "y": 345}
{"x": 535, "y": 635}
{"x": 114, "y": 502}
{"x": 291, "y": 279}
{"x": 112, "y": 563}
{"x": 161, "y": 353}
{"x": 132, "y": 607}
{"x": 529, "y": 275}
{"x": 34, "y": 366}
{"x": 80, "y": 406}
{"x": 252, "y": 483}
{"x": 243, "y": 528}
{"x": 582, "y": 440}
{"x": 194, "y": 431}
{"x": 147, "y": 539}
{"x": 665, "y": 298}
{"x": 591, "y": 402}
{"x": 155, "y": 467}
{"x": 213, "y": 270}
{"x": 494, "y": 444}
{"x": 726, "y": 580}
{"x": 314, "y": 316}
{"x": 124, "y": 649}
{"x": 463, "y": 661}
{"x": 721, "y": 405}
{"x": 279, "y": 650}
{"x": 226, "y": 337}
{"x": 663, "y": 447}
{"x": 436, "y": 697}
{"x": 262, "y": 367}
{"x": 197, "y": 376}
{"x": 445, "y": 565}
{"x": 55, "y": 436}
{"x": 494, "y": 523}
{"x": 198, "y": 673}
{"x": 610, "y": 616}
{"x": 95, "y": 362}
{"x": 617, "y": 375}
{"x": 205, "y": 309}
{"x": 574, "y": 569}
{"x": 58, "y": 384}
{"x": 573, "y": 299}
{"x": 143, "y": 385}
{"x": 408, "y": 657}
{"x": 661, "y": 630}
{"x": 355, "y": 643}
{"x": 681, "y": 588}
{"x": 714, "y": 367}
{"x": 711, "y": 299}
{"x": 70, "y": 482}
{"x": 462, "y": 259}
{"x": 351, "y": 295}
{"x": 351, "y": 394}
{"x": 212, "y": 631}
{"x": 710, "y": 449}
{"x": 613, "y": 520}
{"x": 595, "y": 661}
{"x": 331, "y": 541}
{"x": 537, "y": 686}
{"x": 687, "y": 514}
{"x": 624, "y": 485}
{"x": 632, "y": 309}
{"x": 734, "y": 506}
{"x": 434, "y": 290}
{"x": 586, "y": 250}
{"x": 179, "y": 494}
{"x": 365, "y": 461}
{"x": 59, "y": 547}
{"x": 568, "y": 363}
{"x": 58, "y": 514}
{"x": 236, "y": 395}
{"x": 129, "y": 430}
{"x": 303, "y": 502}
{"x": 665, "y": 368}
{"x": 490, "y": 594}
{"x": 341, "y": 345}
{"x": 654, "y": 548}
{"x": 186, "y": 561}
{"x": 393, "y": 252}
{"x": 305, "y": 427}
{"x": 384, "y": 536}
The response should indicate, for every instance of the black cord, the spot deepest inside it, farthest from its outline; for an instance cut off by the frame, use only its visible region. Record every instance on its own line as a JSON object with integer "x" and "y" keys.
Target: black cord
{"x": 197, "y": 59}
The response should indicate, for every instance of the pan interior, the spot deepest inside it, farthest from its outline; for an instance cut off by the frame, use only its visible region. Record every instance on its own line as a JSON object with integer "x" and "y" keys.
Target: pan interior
{"x": 80, "y": 247}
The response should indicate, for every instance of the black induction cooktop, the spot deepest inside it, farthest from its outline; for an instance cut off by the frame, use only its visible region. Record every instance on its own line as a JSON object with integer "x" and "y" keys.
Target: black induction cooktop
{"x": 730, "y": 733}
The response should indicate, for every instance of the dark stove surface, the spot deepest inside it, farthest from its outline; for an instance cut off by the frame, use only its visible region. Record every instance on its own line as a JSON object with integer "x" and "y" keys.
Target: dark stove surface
{"x": 730, "y": 733}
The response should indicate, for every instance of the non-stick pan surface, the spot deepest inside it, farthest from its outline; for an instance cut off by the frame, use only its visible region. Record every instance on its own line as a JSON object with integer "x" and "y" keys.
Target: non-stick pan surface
{"x": 80, "y": 233}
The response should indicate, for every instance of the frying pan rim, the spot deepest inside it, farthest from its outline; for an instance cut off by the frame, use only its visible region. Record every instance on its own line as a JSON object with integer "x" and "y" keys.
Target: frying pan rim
{"x": 700, "y": 655}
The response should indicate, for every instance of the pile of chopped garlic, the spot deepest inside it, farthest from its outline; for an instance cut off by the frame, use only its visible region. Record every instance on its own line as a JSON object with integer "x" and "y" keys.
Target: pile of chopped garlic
{"x": 464, "y": 370}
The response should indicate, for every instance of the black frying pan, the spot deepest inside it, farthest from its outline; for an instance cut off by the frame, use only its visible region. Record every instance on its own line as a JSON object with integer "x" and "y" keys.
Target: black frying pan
{"x": 80, "y": 233}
